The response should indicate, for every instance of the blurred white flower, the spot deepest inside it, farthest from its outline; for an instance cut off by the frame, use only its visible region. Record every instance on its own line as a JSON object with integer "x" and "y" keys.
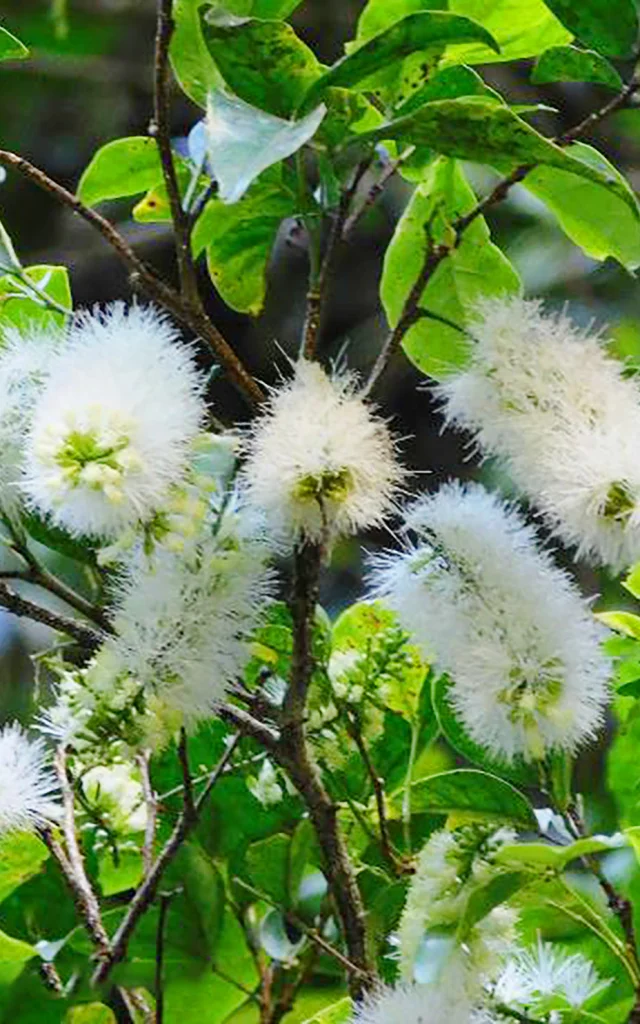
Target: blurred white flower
{"x": 451, "y": 865}
{"x": 547, "y": 970}
{"x": 320, "y": 462}
{"x": 117, "y": 795}
{"x": 112, "y": 427}
{"x": 183, "y": 620}
{"x": 27, "y": 785}
{"x": 418, "y": 1004}
{"x": 25, "y": 360}
{"x": 545, "y": 397}
{"x": 266, "y": 787}
{"x": 510, "y": 628}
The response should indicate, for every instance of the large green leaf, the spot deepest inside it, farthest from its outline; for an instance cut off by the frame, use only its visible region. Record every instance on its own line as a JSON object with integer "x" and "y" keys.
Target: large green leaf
{"x": 123, "y": 167}
{"x": 522, "y": 28}
{"x": 21, "y": 857}
{"x": 416, "y": 32}
{"x": 14, "y": 954}
{"x": 569, "y": 64}
{"x": 262, "y": 62}
{"x": 338, "y": 1013}
{"x": 482, "y": 901}
{"x": 90, "y": 1013}
{"x": 609, "y": 26}
{"x": 475, "y": 269}
{"x": 243, "y": 141}
{"x": 268, "y": 867}
{"x": 595, "y": 217}
{"x": 238, "y": 240}
{"x": 470, "y": 793}
{"x": 542, "y": 856}
{"x": 10, "y": 47}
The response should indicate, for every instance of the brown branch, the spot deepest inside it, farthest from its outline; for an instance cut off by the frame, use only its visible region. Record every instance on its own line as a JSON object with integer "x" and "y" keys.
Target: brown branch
{"x": 161, "y": 132}
{"x": 21, "y": 606}
{"x": 143, "y": 276}
{"x": 373, "y": 195}
{"x": 165, "y": 902}
{"x": 436, "y": 253}
{"x": 316, "y": 296}
{"x": 148, "y": 888}
{"x": 378, "y": 788}
{"x": 72, "y": 863}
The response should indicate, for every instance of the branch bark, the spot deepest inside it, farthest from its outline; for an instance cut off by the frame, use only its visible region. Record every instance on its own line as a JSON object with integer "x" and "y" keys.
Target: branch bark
{"x": 88, "y": 638}
{"x": 144, "y": 277}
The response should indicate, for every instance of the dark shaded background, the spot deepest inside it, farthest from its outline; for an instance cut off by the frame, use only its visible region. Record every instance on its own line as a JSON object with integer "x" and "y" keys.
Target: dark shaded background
{"x": 94, "y": 84}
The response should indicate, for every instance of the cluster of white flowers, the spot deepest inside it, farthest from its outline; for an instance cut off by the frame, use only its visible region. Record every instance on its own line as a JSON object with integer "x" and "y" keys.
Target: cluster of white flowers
{"x": 509, "y": 627}
{"x": 183, "y": 619}
{"x": 27, "y": 784}
{"x": 450, "y": 868}
{"x": 112, "y": 426}
{"x": 546, "y": 398}
{"x": 117, "y": 796}
{"x": 319, "y": 462}
{"x": 531, "y": 976}
{"x": 418, "y": 1004}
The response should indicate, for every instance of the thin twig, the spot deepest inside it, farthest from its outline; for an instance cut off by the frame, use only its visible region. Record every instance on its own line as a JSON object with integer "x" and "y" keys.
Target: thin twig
{"x": 21, "y": 606}
{"x": 378, "y": 789}
{"x": 161, "y": 132}
{"x": 436, "y": 253}
{"x": 72, "y": 863}
{"x": 373, "y": 195}
{"x": 143, "y": 276}
{"x": 151, "y": 804}
{"x": 148, "y": 888}
{"x": 158, "y": 988}
{"x": 316, "y": 295}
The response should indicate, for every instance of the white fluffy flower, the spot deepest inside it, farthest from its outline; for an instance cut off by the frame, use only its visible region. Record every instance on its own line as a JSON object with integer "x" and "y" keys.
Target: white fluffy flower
{"x": 319, "y": 460}
{"x": 546, "y": 398}
{"x": 117, "y": 795}
{"x": 450, "y": 867}
{"x": 25, "y": 360}
{"x": 532, "y": 975}
{"x": 183, "y": 621}
{"x": 112, "y": 428}
{"x": 27, "y": 786}
{"x": 509, "y": 627}
{"x": 418, "y": 1004}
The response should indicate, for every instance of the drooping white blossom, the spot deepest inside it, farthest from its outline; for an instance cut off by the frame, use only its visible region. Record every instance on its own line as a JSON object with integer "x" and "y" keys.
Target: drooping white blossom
{"x": 418, "y": 1004}
{"x": 511, "y": 630}
{"x": 183, "y": 619}
{"x": 112, "y": 428}
{"x": 27, "y": 785}
{"x": 451, "y": 866}
{"x": 25, "y": 360}
{"x": 546, "y": 398}
{"x": 320, "y": 462}
{"x": 546, "y": 970}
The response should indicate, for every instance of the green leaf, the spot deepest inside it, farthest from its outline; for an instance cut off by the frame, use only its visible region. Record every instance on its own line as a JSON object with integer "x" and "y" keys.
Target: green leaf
{"x": 238, "y": 240}
{"x": 609, "y": 26}
{"x": 482, "y": 901}
{"x": 243, "y": 141}
{"x": 262, "y": 62}
{"x": 204, "y": 893}
{"x": 57, "y": 539}
{"x": 603, "y": 222}
{"x": 90, "y": 1013}
{"x": 522, "y": 28}
{"x": 631, "y": 582}
{"x": 124, "y": 167}
{"x": 191, "y": 61}
{"x": 14, "y": 954}
{"x": 10, "y": 47}
{"x": 476, "y": 268}
{"x": 448, "y": 84}
{"x": 569, "y": 64}
{"x": 22, "y": 306}
{"x": 517, "y": 771}
{"x": 473, "y": 794}
{"x": 21, "y": 857}
{"x": 268, "y": 867}
{"x": 544, "y": 856}
{"x": 416, "y": 32}
{"x": 338, "y": 1013}
{"x": 622, "y": 622}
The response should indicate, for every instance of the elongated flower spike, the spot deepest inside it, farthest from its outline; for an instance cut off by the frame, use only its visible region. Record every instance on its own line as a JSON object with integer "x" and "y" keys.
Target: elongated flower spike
{"x": 112, "y": 428}
{"x": 320, "y": 463}
{"x": 27, "y": 785}
{"x": 518, "y": 641}
{"x": 545, "y": 397}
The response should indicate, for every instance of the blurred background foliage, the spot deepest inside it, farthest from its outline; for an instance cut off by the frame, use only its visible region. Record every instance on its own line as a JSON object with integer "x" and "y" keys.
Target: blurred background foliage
{"x": 89, "y": 80}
